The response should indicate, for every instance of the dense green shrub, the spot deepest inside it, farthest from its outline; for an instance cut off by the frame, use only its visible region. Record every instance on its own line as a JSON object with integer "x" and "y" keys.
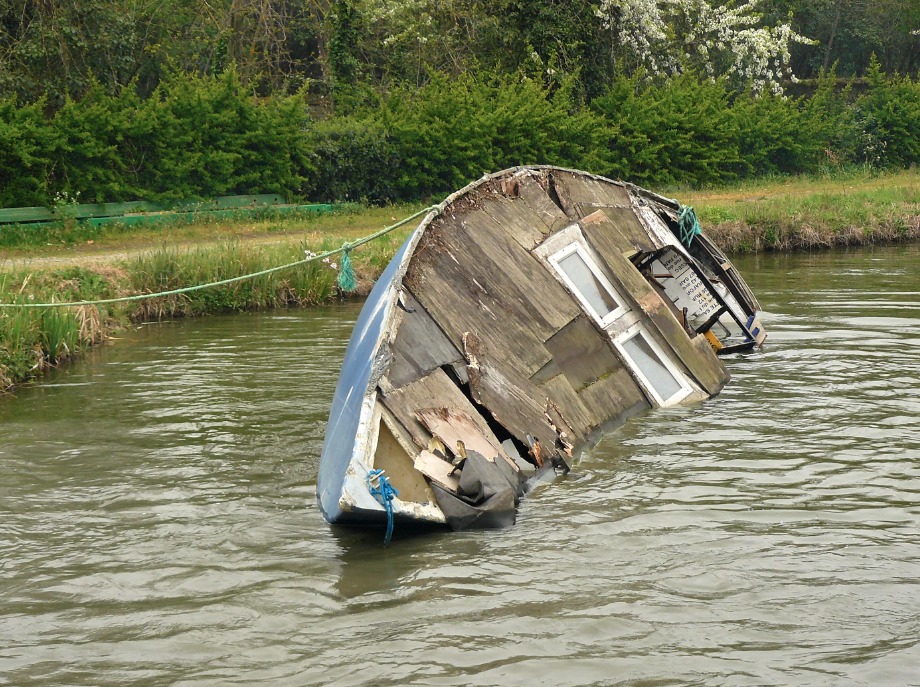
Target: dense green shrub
{"x": 676, "y": 130}
{"x": 26, "y": 141}
{"x": 772, "y": 136}
{"x": 354, "y": 161}
{"x": 205, "y": 136}
{"x": 90, "y": 153}
{"x": 195, "y": 137}
{"x": 450, "y": 132}
{"x": 889, "y": 115}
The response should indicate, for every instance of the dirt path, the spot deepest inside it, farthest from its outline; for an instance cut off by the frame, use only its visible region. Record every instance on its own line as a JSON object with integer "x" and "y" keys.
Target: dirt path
{"x": 98, "y": 255}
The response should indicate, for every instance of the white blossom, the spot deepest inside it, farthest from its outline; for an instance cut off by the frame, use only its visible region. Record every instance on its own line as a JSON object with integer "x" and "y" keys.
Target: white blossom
{"x": 720, "y": 39}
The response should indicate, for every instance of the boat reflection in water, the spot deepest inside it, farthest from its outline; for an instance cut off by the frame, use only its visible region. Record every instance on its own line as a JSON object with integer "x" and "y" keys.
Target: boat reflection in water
{"x": 528, "y": 313}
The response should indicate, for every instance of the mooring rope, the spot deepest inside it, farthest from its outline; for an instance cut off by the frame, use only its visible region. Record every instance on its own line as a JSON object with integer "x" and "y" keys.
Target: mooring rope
{"x": 689, "y": 225}
{"x": 346, "y": 278}
{"x": 384, "y": 492}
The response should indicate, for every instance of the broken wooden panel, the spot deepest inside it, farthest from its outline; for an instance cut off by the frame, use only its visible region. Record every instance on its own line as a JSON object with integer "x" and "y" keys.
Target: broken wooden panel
{"x": 459, "y": 306}
{"x": 452, "y": 426}
{"x": 575, "y": 415}
{"x": 438, "y": 470}
{"x": 515, "y": 402}
{"x": 435, "y": 388}
{"x": 390, "y": 456}
{"x": 420, "y": 347}
{"x": 702, "y": 365}
{"x": 588, "y": 192}
{"x": 582, "y": 353}
{"x": 536, "y": 196}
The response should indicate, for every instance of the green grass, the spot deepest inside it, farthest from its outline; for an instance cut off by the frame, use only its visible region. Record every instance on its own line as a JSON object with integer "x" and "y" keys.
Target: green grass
{"x": 853, "y": 208}
{"x": 33, "y": 340}
{"x": 346, "y": 222}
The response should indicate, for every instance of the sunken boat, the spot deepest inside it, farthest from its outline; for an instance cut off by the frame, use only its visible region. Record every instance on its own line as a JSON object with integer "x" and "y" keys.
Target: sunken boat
{"x": 527, "y": 314}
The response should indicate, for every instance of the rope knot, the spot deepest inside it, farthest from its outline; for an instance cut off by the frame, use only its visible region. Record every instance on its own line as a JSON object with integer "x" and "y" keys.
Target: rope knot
{"x": 689, "y": 225}
{"x": 384, "y": 492}
{"x": 346, "y": 278}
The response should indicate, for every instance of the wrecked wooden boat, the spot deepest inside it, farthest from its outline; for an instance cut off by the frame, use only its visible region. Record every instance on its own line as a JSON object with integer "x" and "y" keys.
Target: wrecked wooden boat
{"x": 527, "y": 314}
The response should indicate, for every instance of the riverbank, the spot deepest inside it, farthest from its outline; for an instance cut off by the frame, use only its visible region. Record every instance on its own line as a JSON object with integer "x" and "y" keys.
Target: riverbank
{"x": 807, "y": 213}
{"x": 785, "y": 214}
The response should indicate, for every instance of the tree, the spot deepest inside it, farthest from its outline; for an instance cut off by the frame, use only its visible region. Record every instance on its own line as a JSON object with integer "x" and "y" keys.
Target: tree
{"x": 728, "y": 39}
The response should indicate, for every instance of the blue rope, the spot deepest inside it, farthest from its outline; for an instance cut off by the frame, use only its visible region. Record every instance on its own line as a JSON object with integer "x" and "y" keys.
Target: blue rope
{"x": 384, "y": 492}
{"x": 689, "y": 225}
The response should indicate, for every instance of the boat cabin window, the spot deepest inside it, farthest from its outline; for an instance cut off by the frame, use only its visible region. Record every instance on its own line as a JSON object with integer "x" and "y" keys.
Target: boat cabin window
{"x": 584, "y": 278}
{"x": 658, "y": 374}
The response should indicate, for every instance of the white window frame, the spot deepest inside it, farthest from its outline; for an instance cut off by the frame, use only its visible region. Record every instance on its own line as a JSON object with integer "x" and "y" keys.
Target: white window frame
{"x": 685, "y": 388}
{"x": 576, "y": 247}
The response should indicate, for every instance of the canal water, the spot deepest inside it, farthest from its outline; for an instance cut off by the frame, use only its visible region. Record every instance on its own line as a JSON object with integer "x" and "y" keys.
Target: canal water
{"x": 158, "y": 523}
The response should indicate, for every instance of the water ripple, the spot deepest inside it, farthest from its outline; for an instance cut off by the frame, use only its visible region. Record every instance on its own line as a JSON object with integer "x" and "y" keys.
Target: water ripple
{"x": 159, "y": 524}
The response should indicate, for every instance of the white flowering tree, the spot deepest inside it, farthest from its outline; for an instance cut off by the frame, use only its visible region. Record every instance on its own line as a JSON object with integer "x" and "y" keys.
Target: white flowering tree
{"x": 721, "y": 39}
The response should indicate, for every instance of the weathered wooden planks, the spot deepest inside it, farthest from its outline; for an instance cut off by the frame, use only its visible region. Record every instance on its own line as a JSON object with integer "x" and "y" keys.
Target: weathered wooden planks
{"x": 630, "y": 228}
{"x": 434, "y": 390}
{"x": 472, "y": 276}
{"x": 533, "y": 194}
{"x": 420, "y": 347}
{"x": 604, "y": 237}
{"x": 582, "y": 353}
{"x": 518, "y": 220}
{"x": 516, "y": 274}
{"x": 588, "y": 192}
{"x": 515, "y": 402}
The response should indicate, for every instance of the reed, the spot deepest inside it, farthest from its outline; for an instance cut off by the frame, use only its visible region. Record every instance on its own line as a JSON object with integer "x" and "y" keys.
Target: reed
{"x": 33, "y": 340}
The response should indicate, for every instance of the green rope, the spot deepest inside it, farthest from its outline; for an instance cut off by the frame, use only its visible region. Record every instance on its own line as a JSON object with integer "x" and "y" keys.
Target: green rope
{"x": 346, "y": 279}
{"x": 346, "y": 270}
{"x": 689, "y": 225}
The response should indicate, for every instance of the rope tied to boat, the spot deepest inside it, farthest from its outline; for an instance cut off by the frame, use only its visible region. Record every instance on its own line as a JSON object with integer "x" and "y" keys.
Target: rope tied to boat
{"x": 384, "y": 492}
{"x": 346, "y": 279}
{"x": 689, "y": 225}
{"x": 311, "y": 257}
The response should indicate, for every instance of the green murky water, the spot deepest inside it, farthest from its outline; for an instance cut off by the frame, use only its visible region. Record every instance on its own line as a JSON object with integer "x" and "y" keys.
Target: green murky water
{"x": 158, "y": 524}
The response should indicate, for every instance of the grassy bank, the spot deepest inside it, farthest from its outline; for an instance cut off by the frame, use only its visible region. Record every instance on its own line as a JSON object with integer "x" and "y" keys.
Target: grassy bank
{"x": 857, "y": 208}
{"x": 781, "y": 214}
{"x": 33, "y": 340}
